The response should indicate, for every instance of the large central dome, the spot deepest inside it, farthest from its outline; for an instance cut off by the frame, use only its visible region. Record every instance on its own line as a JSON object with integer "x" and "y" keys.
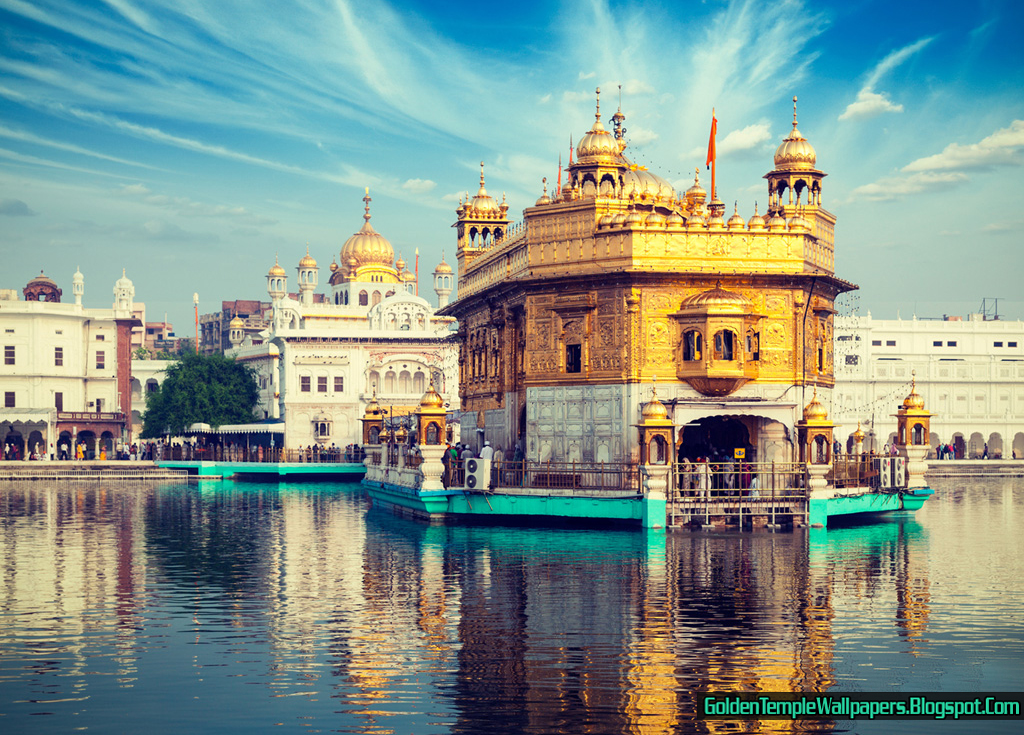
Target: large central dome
{"x": 367, "y": 247}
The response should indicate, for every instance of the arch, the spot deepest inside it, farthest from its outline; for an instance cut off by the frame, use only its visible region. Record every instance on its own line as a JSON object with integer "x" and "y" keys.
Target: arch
{"x": 657, "y": 450}
{"x": 373, "y": 381}
{"x": 364, "y": 298}
{"x": 607, "y": 186}
{"x": 725, "y": 344}
{"x": 975, "y": 445}
{"x": 421, "y": 321}
{"x": 693, "y": 346}
{"x": 1018, "y": 445}
{"x": 375, "y": 298}
{"x": 917, "y": 434}
{"x": 959, "y": 446}
{"x": 404, "y": 382}
{"x": 419, "y": 383}
{"x": 136, "y": 386}
{"x": 389, "y": 381}
{"x": 152, "y": 385}
{"x": 433, "y": 433}
{"x": 107, "y": 443}
{"x": 995, "y": 445}
{"x": 36, "y": 444}
{"x": 88, "y": 439}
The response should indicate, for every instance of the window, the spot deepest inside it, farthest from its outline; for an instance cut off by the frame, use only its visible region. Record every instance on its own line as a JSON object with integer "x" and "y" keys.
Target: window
{"x": 951, "y": 344}
{"x": 321, "y": 384}
{"x": 852, "y": 359}
{"x": 937, "y": 343}
{"x": 573, "y": 358}
{"x": 692, "y": 347}
{"x": 876, "y": 343}
{"x": 100, "y": 337}
{"x": 304, "y": 383}
{"x": 997, "y": 344}
{"x": 844, "y": 337}
{"x": 364, "y": 298}
{"x": 890, "y": 343}
{"x": 9, "y": 399}
{"x": 101, "y": 360}
{"x": 753, "y": 345}
{"x": 58, "y": 356}
{"x": 724, "y": 345}
{"x": 8, "y": 354}
{"x": 58, "y": 401}
{"x": 1011, "y": 344}
{"x": 339, "y": 384}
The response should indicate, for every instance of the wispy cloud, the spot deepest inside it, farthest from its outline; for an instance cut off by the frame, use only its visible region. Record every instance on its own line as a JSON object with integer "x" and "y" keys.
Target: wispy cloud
{"x": 187, "y": 207}
{"x": 419, "y": 186}
{"x": 896, "y": 187}
{"x": 1002, "y": 148}
{"x": 870, "y": 103}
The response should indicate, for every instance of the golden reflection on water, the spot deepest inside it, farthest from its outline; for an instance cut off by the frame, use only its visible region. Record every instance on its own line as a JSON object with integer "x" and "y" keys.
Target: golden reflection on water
{"x": 355, "y": 616}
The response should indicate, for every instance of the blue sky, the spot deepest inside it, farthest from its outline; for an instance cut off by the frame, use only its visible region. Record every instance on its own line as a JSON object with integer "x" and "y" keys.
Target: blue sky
{"x": 190, "y": 142}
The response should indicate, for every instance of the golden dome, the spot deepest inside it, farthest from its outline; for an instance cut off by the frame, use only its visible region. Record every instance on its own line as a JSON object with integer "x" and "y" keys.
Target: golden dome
{"x": 408, "y": 276}
{"x": 598, "y": 142}
{"x": 544, "y": 198}
{"x": 633, "y": 219}
{"x": 814, "y": 411}
{"x": 276, "y": 269}
{"x": 367, "y": 247}
{"x": 400, "y": 263}
{"x": 655, "y": 219}
{"x": 696, "y": 220}
{"x": 913, "y": 401}
{"x": 236, "y": 323}
{"x": 483, "y": 203}
{"x": 797, "y": 222}
{"x": 307, "y": 260}
{"x": 719, "y": 301}
{"x": 431, "y": 399}
{"x": 619, "y": 220}
{"x": 605, "y": 221}
{"x": 641, "y": 183}
{"x": 372, "y": 408}
{"x": 696, "y": 195}
{"x": 443, "y": 267}
{"x": 858, "y": 435}
{"x": 655, "y": 409}
{"x": 795, "y": 153}
{"x": 757, "y": 221}
{"x": 675, "y": 220}
{"x": 334, "y": 265}
{"x": 776, "y": 223}
{"x": 401, "y": 435}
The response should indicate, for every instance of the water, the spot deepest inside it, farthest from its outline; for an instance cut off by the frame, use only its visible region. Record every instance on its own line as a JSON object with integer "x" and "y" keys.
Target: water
{"x": 252, "y": 607}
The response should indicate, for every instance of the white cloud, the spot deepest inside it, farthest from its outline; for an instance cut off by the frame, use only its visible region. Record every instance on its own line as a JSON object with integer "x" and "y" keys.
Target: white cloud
{"x": 870, "y": 103}
{"x": 896, "y": 187}
{"x": 15, "y": 208}
{"x": 187, "y": 207}
{"x": 455, "y": 197}
{"x": 419, "y": 186}
{"x": 1002, "y": 148}
{"x": 588, "y": 75}
{"x": 639, "y": 136}
{"x": 735, "y": 142}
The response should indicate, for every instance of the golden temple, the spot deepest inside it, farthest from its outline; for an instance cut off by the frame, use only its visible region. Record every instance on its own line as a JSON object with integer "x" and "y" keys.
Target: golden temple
{"x": 614, "y": 280}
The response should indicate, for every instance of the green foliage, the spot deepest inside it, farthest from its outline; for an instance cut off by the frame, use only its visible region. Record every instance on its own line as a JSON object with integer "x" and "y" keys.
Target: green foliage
{"x": 210, "y": 389}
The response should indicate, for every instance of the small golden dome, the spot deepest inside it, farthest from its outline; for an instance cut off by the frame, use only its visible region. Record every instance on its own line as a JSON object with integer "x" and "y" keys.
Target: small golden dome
{"x": 619, "y": 220}
{"x": 798, "y": 223}
{"x": 655, "y": 219}
{"x": 408, "y": 276}
{"x": 718, "y": 300}
{"x": 814, "y": 411}
{"x": 914, "y": 400}
{"x": 605, "y": 221}
{"x": 431, "y": 399}
{"x": 443, "y": 267}
{"x": 276, "y": 269}
{"x": 696, "y": 195}
{"x": 777, "y": 223}
{"x": 634, "y": 219}
{"x": 367, "y": 247}
{"x": 655, "y": 409}
{"x": 400, "y": 264}
{"x": 372, "y": 408}
{"x": 795, "y": 153}
{"x": 544, "y": 198}
{"x": 641, "y": 183}
{"x": 675, "y": 220}
{"x": 236, "y": 323}
{"x": 858, "y": 435}
{"x": 307, "y": 260}
{"x": 334, "y": 265}
{"x": 401, "y": 434}
{"x": 598, "y": 142}
{"x": 696, "y": 220}
{"x": 736, "y": 222}
{"x": 483, "y": 203}
{"x": 385, "y": 436}
{"x": 757, "y": 221}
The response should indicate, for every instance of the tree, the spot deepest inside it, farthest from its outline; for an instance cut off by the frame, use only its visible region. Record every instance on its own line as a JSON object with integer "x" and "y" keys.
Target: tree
{"x": 209, "y": 389}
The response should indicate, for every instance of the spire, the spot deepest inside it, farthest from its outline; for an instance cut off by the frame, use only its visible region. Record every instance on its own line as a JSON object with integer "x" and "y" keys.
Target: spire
{"x": 794, "y": 112}
{"x": 597, "y": 114}
{"x": 617, "y": 119}
{"x": 482, "y": 177}
{"x": 367, "y": 200}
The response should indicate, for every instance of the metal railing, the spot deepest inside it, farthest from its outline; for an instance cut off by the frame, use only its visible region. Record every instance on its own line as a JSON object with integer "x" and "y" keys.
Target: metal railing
{"x": 189, "y": 453}
{"x": 559, "y": 477}
{"x": 755, "y": 481}
{"x": 852, "y": 471}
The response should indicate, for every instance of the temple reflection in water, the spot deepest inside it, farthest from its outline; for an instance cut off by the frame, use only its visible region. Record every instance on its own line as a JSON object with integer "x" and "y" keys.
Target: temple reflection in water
{"x": 490, "y": 629}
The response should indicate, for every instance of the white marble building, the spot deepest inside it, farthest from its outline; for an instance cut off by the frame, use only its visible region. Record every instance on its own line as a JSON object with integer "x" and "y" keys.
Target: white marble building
{"x": 65, "y": 373}
{"x": 970, "y": 373}
{"x": 319, "y": 363}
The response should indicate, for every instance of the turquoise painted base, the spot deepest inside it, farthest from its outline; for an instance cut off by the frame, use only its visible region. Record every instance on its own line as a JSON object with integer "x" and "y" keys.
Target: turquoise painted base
{"x": 439, "y": 504}
{"x": 819, "y": 511}
{"x": 267, "y": 469}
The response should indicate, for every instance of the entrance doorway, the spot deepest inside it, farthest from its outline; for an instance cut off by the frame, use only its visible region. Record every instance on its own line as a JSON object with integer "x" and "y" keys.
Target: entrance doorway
{"x": 716, "y": 438}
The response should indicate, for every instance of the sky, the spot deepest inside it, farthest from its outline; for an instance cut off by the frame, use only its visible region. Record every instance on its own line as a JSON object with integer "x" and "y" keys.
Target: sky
{"x": 192, "y": 142}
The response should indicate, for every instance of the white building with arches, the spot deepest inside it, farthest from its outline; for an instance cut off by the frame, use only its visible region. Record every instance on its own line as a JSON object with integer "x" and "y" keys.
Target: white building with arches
{"x": 970, "y": 373}
{"x": 319, "y": 364}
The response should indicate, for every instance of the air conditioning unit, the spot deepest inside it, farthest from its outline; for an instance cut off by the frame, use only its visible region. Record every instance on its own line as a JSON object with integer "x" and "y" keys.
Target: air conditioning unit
{"x": 899, "y": 472}
{"x": 883, "y": 466}
{"x": 478, "y": 474}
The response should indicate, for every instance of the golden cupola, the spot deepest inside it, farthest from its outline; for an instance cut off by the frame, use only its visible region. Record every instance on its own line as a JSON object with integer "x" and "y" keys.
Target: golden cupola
{"x": 795, "y": 153}
{"x": 483, "y": 205}
{"x": 367, "y": 247}
{"x": 276, "y": 270}
{"x": 814, "y": 411}
{"x": 308, "y": 261}
{"x": 597, "y": 144}
{"x": 695, "y": 196}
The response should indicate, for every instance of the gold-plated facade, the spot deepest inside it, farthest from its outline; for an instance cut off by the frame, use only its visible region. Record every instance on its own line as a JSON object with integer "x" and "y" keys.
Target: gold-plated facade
{"x": 565, "y": 318}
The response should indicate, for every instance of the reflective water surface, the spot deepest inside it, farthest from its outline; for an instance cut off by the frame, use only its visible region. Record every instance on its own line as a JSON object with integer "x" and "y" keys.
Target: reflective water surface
{"x": 249, "y": 607}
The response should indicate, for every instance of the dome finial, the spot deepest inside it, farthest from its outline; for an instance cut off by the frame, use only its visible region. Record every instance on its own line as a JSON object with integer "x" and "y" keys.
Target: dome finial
{"x": 367, "y": 200}
{"x": 481, "y": 174}
{"x": 597, "y": 114}
{"x": 794, "y": 112}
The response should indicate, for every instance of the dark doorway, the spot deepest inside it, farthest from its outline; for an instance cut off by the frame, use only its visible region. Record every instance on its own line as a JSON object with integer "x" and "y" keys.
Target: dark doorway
{"x": 715, "y": 437}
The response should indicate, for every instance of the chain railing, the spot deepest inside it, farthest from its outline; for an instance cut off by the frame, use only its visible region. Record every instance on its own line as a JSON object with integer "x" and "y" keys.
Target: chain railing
{"x": 696, "y": 481}
{"x": 332, "y": 455}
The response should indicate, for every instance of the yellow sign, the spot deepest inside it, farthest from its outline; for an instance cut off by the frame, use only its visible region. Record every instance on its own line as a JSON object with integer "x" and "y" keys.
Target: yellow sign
{"x": 739, "y": 453}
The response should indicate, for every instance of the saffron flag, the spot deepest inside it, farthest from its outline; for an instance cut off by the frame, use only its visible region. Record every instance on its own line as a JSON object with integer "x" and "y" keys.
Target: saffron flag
{"x": 711, "y": 141}
{"x": 559, "y": 189}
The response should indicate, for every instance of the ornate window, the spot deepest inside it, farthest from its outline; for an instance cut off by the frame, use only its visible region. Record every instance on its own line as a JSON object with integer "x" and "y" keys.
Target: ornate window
{"x": 725, "y": 345}
{"x": 693, "y": 346}
{"x": 573, "y": 358}
{"x": 364, "y": 298}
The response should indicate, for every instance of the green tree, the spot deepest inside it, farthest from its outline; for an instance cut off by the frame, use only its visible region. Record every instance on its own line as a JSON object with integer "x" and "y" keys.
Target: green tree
{"x": 210, "y": 389}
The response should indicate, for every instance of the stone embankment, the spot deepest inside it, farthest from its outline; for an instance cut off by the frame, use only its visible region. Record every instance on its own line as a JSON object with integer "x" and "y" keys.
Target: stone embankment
{"x": 88, "y": 471}
{"x": 975, "y": 468}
